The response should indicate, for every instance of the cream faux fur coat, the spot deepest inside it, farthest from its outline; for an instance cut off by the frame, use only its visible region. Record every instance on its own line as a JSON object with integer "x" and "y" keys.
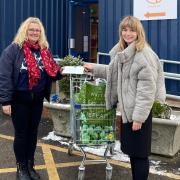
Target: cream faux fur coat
{"x": 134, "y": 81}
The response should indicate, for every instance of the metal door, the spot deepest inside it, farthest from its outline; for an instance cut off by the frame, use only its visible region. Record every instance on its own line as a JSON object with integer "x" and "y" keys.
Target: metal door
{"x": 78, "y": 39}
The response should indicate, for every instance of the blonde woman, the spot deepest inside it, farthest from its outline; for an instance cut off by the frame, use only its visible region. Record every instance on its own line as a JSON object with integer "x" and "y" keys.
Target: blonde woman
{"x": 135, "y": 80}
{"x": 26, "y": 73}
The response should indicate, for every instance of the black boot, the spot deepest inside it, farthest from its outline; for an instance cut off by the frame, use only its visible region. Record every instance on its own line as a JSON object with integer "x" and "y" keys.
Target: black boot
{"x": 32, "y": 172}
{"x": 22, "y": 172}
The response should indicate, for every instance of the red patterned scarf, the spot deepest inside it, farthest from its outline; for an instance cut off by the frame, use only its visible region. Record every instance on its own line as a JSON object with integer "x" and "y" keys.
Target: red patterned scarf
{"x": 33, "y": 69}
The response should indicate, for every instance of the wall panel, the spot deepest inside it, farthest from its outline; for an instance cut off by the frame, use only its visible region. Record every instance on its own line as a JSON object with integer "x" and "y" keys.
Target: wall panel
{"x": 51, "y": 12}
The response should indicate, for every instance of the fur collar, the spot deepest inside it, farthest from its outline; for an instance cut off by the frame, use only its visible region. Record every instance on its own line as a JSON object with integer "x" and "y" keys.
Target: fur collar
{"x": 125, "y": 55}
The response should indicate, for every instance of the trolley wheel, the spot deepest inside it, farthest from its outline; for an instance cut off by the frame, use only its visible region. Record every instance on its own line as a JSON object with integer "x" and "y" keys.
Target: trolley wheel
{"x": 112, "y": 149}
{"x": 81, "y": 174}
{"x": 108, "y": 173}
{"x": 70, "y": 149}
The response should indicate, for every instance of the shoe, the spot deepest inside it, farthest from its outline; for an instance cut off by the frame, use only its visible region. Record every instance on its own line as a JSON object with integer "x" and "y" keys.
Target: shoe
{"x": 32, "y": 172}
{"x": 22, "y": 172}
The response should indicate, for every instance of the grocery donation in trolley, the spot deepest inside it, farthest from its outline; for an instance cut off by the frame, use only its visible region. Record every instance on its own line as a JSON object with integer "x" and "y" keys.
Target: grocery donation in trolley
{"x": 91, "y": 123}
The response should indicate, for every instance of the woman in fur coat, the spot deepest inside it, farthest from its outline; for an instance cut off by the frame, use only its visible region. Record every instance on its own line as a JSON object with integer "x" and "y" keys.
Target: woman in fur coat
{"x": 135, "y": 79}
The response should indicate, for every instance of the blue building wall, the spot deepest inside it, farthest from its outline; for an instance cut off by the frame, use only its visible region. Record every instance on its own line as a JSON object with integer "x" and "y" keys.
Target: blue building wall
{"x": 162, "y": 35}
{"x": 53, "y": 14}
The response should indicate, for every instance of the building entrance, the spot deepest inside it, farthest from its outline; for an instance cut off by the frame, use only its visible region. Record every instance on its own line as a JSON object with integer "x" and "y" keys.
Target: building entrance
{"x": 83, "y": 29}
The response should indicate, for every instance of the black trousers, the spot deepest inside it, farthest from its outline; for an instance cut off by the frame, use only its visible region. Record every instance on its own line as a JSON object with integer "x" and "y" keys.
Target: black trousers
{"x": 26, "y": 114}
{"x": 140, "y": 168}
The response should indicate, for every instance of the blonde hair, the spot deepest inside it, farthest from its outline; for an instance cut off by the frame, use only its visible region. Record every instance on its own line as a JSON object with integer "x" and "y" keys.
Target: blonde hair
{"x": 135, "y": 25}
{"x": 21, "y": 35}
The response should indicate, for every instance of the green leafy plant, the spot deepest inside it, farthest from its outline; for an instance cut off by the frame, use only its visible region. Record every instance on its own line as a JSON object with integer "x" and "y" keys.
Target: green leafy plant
{"x": 161, "y": 110}
{"x": 70, "y": 60}
{"x": 64, "y": 83}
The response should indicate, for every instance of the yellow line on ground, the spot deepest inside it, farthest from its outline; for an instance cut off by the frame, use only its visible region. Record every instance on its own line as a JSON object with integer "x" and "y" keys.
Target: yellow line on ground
{"x": 119, "y": 163}
{"x": 9, "y": 170}
{"x": 57, "y": 148}
{"x": 50, "y": 164}
{"x": 6, "y": 137}
{"x": 41, "y": 167}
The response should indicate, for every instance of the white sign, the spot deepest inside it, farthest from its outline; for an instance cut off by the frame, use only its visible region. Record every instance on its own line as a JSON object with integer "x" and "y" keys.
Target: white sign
{"x": 73, "y": 70}
{"x": 155, "y": 9}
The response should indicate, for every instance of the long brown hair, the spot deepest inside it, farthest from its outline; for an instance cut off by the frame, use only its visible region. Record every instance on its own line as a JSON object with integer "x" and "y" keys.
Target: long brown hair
{"x": 136, "y": 25}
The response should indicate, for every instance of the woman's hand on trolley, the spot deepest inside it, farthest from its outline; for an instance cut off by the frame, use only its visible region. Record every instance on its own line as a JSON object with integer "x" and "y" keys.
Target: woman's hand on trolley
{"x": 61, "y": 69}
{"x": 88, "y": 67}
{"x": 7, "y": 109}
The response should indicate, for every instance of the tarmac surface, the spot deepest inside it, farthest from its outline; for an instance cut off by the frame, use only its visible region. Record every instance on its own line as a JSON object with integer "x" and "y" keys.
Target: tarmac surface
{"x": 54, "y": 163}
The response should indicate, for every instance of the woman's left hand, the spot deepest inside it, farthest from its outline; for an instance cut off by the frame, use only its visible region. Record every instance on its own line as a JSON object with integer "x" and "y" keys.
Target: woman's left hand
{"x": 61, "y": 70}
{"x": 136, "y": 125}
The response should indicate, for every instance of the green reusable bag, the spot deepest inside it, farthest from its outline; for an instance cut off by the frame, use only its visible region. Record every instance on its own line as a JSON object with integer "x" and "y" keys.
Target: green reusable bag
{"x": 92, "y": 94}
{"x": 97, "y": 123}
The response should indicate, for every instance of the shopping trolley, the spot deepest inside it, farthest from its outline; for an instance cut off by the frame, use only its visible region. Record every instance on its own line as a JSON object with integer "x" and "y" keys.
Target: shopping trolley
{"x": 91, "y": 123}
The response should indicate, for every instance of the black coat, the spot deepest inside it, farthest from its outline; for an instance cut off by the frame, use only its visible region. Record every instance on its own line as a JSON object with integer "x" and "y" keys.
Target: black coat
{"x": 10, "y": 62}
{"x": 137, "y": 143}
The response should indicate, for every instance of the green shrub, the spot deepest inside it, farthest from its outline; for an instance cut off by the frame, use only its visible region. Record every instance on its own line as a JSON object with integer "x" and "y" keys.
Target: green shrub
{"x": 70, "y": 60}
{"x": 64, "y": 83}
{"x": 161, "y": 110}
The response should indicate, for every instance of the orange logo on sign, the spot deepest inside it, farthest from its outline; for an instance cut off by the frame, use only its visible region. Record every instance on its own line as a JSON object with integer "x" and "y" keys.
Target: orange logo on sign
{"x": 155, "y": 14}
{"x": 153, "y": 1}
